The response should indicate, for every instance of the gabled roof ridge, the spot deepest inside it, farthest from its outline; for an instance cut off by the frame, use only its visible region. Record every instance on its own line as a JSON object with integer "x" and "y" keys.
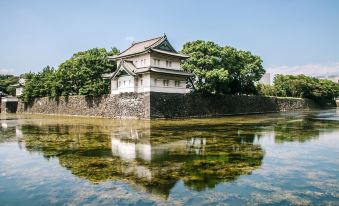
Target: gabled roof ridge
{"x": 158, "y": 42}
{"x": 134, "y": 43}
{"x": 159, "y": 37}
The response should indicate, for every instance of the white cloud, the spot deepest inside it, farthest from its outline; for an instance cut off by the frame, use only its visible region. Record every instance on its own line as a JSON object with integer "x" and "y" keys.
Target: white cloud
{"x": 6, "y": 71}
{"x": 308, "y": 69}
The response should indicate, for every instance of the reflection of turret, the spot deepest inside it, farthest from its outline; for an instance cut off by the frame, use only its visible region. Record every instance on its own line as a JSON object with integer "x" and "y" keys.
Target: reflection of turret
{"x": 143, "y": 149}
{"x": 151, "y": 157}
{"x": 197, "y": 145}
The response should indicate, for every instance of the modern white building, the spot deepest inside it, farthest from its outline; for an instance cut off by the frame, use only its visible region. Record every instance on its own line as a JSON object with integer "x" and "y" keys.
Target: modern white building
{"x": 265, "y": 79}
{"x": 334, "y": 78}
{"x": 149, "y": 66}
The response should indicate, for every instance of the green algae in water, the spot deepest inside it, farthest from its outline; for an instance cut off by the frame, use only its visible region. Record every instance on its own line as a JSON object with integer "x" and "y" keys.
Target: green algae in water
{"x": 154, "y": 156}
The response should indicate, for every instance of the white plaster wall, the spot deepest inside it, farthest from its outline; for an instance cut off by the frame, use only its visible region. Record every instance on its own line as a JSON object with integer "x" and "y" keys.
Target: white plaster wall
{"x": 18, "y": 91}
{"x": 137, "y": 60}
{"x": 163, "y": 58}
{"x": 146, "y": 83}
{"x": 126, "y": 85}
{"x": 157, "y": 84}
{"x": 150, "y": 83}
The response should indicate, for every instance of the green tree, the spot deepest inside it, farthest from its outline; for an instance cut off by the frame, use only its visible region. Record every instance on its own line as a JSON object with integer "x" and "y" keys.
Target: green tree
{"x": 79, "y": 75}
{"x": 206, "y": 63}
{"x": 305, "y": 87}
{"x": 222, "y": 69}
{"x": 265, "y": 90}
{"x": 6, "y": 81}
{"x": 39, "y": 84}
{"x": 82, "y": 73}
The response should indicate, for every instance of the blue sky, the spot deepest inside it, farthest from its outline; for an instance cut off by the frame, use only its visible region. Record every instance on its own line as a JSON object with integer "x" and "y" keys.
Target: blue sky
{"x": 290, "y": 35}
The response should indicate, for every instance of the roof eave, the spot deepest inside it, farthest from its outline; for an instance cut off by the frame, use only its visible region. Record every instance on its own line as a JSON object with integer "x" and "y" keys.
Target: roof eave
{"x": 166, "y": 71}
{"x": 182, "y": 56}
{"x": 114, "y": 58}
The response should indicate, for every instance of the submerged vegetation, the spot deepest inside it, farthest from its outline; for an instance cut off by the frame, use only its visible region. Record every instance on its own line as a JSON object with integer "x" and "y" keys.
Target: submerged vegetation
{"x": 202, "y": 153}
{"x": 219, "y": 159}
{"x": 200, "y": 162}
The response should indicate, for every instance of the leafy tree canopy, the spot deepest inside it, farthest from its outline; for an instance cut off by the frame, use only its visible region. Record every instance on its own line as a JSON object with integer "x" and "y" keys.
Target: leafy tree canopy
{"x": 79, "y": 75}
{"x": 224, "y": 70}
{"x": 6, "y": 81}
{"x": 300, "y": 86}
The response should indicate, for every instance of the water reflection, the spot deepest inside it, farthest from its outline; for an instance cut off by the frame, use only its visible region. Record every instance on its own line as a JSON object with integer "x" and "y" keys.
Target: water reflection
{"x": 153, "y": 156}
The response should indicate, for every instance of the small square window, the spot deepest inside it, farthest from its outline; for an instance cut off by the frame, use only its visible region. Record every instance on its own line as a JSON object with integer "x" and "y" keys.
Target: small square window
{"x": 177, "y": 83}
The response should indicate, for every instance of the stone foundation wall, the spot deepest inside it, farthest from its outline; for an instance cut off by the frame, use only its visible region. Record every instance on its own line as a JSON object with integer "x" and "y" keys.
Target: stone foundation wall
{"x": 163, "y": 105}
{"x": 195, "y": 105}
{"x": 127, "y": 105}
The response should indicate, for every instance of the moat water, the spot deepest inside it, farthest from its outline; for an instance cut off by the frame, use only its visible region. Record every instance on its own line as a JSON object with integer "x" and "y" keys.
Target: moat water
{"x": 272, "y": 159}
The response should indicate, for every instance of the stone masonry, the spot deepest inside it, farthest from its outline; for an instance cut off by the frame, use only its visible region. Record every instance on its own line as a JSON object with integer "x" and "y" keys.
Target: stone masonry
{"x": 162, "y": 105}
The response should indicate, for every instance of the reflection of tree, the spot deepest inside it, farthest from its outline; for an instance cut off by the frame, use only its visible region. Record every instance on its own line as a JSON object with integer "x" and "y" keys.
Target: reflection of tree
{"x": 162, "y": 155}
{"x": 209, "y": 170}
{"x": 301, "y": 130}
{"x": 6, "y": 134}
{"x": 153, "y": 156}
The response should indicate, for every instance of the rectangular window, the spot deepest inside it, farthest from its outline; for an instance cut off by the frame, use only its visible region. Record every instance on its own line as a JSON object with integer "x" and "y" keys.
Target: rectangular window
{"x": 140, "y": 82}
{"x": 158, "y": 62}
{"x": 165, "y": 82}
{"x": 177, "y": 83}
{"x": 155, "y": 81}
{"x": 169, "y": 64}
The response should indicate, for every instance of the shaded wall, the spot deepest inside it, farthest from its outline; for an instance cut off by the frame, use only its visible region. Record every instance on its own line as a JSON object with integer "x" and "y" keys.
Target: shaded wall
{"x": 163, "y": 105}
{"x": 195, "y": 105}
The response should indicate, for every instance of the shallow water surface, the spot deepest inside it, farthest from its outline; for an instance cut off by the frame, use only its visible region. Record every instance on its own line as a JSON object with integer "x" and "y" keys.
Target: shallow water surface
{"x": 272, "y": 159}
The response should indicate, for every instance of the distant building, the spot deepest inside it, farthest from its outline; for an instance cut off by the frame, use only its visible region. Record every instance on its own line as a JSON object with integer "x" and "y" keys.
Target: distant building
{"x": 333, "y": 78}
{"x": 9, "y": 104}
{"x": 265, "y": 79}
{"x": 19, "y": 87}
{"x": 149, "y": 66}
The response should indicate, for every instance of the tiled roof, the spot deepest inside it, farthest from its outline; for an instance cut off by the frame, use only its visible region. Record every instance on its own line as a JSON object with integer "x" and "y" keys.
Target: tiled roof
{"x": 124, "y": 65}
{"x": 139, "y": 47}
{"x": 159, "y": 44}
{"x": 163, "y": 70}
{"x": 170, "y": 53}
